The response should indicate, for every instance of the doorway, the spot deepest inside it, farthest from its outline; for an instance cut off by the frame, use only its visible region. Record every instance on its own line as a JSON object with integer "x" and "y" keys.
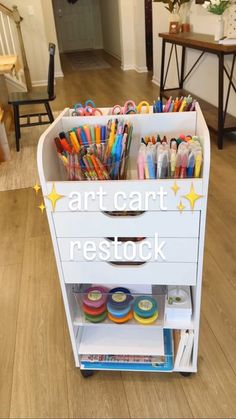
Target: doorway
{"x": 75, "y": 25}
{"x": 149, "y": 34}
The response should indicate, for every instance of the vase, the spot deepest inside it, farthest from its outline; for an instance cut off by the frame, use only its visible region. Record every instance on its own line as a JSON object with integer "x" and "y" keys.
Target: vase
{"x": 219, "y": 31}
{"x": 174, "y": 22}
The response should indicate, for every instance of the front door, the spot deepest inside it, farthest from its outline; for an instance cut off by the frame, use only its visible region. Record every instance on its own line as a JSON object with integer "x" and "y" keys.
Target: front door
{"x": 74, "y": 24}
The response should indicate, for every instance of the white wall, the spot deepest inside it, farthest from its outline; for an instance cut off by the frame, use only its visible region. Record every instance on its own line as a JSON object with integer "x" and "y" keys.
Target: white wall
{"x": 132, "y": 26}
{"x": 36, "y": 38}
{"x": 111, "y": 27}
{"x": 204, "y": 80}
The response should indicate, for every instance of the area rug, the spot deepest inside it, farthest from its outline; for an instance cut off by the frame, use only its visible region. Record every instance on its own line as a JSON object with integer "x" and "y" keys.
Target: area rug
{"x": 86, "y": 60}
{"x": 21, "y": 170}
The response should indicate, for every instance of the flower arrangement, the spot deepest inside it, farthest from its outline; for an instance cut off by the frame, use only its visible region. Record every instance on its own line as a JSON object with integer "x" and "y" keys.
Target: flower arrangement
{"x": 172, "y": 5}
{"x": 217, "y": 7}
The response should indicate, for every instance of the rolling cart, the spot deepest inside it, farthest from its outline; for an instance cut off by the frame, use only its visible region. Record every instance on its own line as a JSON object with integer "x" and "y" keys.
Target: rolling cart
{"x": 181, "y": 224}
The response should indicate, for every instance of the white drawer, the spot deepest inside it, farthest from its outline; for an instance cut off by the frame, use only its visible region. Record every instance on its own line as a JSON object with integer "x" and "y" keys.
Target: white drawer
{"x": 173, "y": 250}
{"x": 99, "y": 224}
{"x": 147, "y": 273}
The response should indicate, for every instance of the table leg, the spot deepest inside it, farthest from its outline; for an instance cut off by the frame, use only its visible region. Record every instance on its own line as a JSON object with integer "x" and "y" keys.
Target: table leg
{"x": 181, "y": 85}
{"x": 163, "y": 53}
{"x": 220, "y": 101}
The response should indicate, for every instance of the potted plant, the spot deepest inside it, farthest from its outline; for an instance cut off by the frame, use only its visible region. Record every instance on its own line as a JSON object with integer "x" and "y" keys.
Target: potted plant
{"x": 217, "y": 7}
{"x": 173, "y": 6}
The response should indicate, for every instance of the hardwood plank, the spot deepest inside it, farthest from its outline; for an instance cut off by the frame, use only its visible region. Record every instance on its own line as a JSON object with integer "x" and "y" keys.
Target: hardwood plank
{"x": 219, "y": 306}
{"x": 211, "y": 392}
{"x": 9, "y": 301}
{"x": 13, "y": 210}
{"x": 39, "y": 386}
{"x": 100, "y": 396}
{"x": 155, "y": 395}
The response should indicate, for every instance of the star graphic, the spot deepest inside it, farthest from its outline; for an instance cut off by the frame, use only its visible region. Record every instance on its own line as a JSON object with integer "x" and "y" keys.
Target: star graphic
{"x": 180, "y": 207}
{"x": 192, "y": 197}
{"x": 175, "y": 188}
{"x": 37, "y": 188}
{"x": 42, "y": 207}
{"x": 54, "y": 197}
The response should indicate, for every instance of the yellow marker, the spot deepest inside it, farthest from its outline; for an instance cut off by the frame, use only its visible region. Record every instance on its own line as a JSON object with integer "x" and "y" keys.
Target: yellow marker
{"x": 183, "y": 104}
{"x": 74, "y": 141}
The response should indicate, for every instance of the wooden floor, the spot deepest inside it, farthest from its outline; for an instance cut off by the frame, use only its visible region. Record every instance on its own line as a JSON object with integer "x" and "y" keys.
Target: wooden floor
{"x": 37, "y": 374}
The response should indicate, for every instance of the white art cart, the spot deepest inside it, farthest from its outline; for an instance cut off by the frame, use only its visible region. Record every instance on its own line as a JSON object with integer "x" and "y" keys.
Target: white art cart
{"x": 181, "y": 224}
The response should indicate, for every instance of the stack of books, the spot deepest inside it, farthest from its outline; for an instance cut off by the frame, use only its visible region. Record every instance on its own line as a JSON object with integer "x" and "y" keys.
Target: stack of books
{"x": 183, "y": 343}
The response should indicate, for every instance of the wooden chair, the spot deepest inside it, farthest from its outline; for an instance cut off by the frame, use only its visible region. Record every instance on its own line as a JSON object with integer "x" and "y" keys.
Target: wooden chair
{"x": 17, "y": 99}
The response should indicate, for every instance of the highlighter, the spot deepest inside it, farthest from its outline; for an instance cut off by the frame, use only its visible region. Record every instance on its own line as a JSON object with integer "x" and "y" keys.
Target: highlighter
{"x": 74, "y": 141}
{"x": 198, "y": 164}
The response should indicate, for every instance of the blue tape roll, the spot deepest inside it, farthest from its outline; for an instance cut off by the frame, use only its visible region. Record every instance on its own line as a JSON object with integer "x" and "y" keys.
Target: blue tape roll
{"x": 119, "y": 297}
{"x": 119, "y": 313}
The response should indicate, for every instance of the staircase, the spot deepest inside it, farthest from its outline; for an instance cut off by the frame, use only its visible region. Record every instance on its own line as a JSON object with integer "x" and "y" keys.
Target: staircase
{"x": 11, "y": 43}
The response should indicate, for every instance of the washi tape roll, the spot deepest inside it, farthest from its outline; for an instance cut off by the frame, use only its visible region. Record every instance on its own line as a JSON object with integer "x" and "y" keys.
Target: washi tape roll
{"x": 147, "y": 321}
{"x": 119, "y": 297}
{"x": 95, "y": 297}
{"x": 96, "y": 319}
{"x": 94, "y": 311}
{"x": 118, "y": 313}
{"x": 125, "y": 319}
{"x": 145, "y": 306}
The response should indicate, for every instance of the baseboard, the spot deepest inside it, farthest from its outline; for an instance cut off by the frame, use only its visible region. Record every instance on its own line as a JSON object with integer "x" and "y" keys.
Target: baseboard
{"x": 134, "y": 67}
{"x": 36, "y": 83}
{"x": 156, "y": 81}
{"x": 127, "y": 67}
{"x": 14, "y": 85}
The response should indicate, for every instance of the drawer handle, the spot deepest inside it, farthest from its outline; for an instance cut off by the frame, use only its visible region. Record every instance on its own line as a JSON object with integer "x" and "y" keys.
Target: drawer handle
{"x": 114, "y": 263}
{"x": 123, "y": 213}
{"x": 126, "y": 239}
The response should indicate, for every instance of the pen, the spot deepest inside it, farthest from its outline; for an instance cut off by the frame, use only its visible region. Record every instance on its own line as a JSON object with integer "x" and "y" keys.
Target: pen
{"x": 172, "y": 162}
{"x": 177, "y": 166}
{"x": 184, "y": 162}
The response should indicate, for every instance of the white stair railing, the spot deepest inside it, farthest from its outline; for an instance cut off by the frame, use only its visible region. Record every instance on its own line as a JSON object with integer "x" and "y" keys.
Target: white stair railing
{"x": 11, "y": 43}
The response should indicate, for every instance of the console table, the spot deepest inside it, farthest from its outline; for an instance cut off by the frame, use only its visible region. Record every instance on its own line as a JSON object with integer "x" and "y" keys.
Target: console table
{"x": 217, "y": 118}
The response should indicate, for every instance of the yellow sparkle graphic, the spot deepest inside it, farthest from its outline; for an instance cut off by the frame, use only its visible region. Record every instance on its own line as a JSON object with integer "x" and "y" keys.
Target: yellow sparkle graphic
{"x": 42, "y": 207}
{"x": 37, "y": 188}
{"x": 180, "y": 207}
{"x": 192, "y": 197}
{"x": 175, "y": 188}
{"x": 54, "y": 197}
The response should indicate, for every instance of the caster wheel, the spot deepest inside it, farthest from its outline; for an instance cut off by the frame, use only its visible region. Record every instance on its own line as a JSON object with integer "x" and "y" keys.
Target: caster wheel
{"x": 86, "y": 373}
{"x": 185, "y": 374}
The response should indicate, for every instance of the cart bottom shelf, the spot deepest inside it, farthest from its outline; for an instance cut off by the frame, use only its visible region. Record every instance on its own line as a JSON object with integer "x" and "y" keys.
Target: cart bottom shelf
{"x": 126, "y": 352}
